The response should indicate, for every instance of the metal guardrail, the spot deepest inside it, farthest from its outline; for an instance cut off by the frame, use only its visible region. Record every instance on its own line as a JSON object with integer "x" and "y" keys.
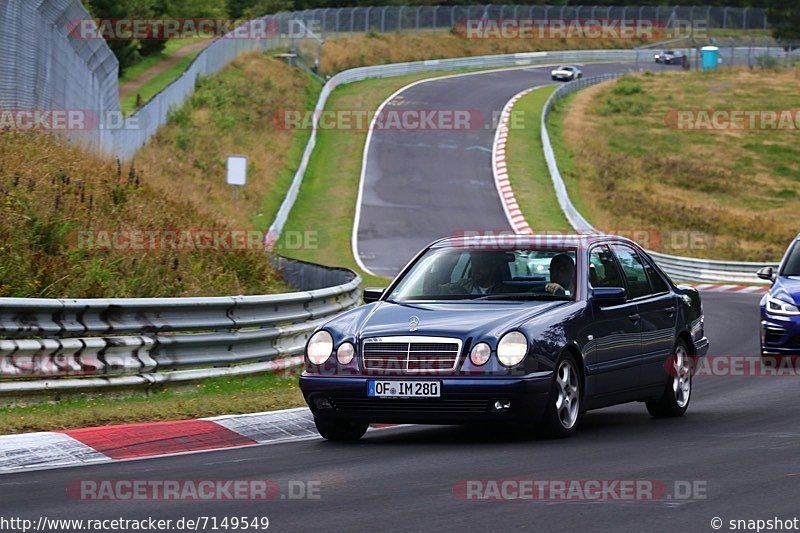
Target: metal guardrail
{"x": 683, "y": 268}
{"x": 79, "y": 344}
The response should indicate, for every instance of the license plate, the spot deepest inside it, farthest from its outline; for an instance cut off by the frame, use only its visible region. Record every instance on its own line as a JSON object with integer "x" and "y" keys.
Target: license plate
{"x": 403, "y": 389}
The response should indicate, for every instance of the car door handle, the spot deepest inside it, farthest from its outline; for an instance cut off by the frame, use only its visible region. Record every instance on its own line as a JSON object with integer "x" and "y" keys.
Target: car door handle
{"x": 634, "y": 317}
{"x": 670, "y": 310}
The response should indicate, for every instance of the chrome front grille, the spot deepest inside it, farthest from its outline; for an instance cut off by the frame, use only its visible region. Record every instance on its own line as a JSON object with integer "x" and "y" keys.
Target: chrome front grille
{"x": 410, "y": 354}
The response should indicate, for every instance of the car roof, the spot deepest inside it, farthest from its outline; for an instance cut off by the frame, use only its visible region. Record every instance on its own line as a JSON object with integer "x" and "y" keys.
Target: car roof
{"x": 508, "y": 240}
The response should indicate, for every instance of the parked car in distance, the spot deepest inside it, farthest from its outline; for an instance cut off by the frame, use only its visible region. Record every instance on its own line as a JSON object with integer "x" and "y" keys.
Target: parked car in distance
{"x": 566, "y": 73}
{"x": 472, "y": 330}
{"x": 780, "y": 306}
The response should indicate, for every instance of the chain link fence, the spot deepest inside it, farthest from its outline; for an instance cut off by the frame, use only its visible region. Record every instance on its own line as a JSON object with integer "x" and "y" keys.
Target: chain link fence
{"x": 410, "y": 18}
{"x": 44, "y": 68}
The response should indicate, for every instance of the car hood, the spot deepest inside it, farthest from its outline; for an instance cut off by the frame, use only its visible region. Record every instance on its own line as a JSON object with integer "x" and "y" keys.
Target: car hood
{"x": 787, "y": 288}
{"x": 457, "y": 319}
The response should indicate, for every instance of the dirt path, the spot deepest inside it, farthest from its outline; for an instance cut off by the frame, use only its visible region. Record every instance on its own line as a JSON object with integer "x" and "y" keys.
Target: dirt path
{"x": 132, "y": 86}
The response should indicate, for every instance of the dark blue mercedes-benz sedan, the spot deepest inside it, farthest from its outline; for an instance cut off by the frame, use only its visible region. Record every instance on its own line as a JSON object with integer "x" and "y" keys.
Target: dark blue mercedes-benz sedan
{"x": 780, "y": 306}
{"x": 528, "y": 329}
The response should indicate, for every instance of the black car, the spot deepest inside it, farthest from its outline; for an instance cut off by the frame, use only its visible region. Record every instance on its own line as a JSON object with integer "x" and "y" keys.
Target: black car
{"x": 475, "y": 330}
{"x": 670, "y": 57}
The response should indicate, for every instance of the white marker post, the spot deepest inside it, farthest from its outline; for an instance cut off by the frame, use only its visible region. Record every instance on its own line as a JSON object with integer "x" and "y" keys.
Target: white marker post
{"x": 237, "y": 173}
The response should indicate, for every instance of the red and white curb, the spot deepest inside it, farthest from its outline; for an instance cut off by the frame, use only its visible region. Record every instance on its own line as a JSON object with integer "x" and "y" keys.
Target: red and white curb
{"x": 502, "y": 182}
{"x": 738, "y": 289}
{"x": 135, "y": 441}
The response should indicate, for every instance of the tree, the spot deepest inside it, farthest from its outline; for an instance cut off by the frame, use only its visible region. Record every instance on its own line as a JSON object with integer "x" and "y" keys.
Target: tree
{"x": 124, "y": 49}
{"x": 784, "y": 17}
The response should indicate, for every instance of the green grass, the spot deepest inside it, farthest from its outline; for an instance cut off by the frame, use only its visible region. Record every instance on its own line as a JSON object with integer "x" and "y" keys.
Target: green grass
{"x": 218, "y": 396}
{"x": 527, "y": 169}
{"x": 566, "y": 166}
{"x": 736, "y": 188}
{"x": 146, "y": 63}
{"x": 157, "y": 84}
{"x": 272, "y": 202}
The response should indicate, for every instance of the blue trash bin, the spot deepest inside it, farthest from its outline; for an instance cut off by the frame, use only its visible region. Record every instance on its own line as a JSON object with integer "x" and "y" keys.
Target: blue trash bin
{"x": 709, "y": 57}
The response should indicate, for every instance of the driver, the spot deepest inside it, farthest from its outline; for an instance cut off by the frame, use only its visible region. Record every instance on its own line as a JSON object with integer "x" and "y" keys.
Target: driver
{"x": 562, "y": 276}
{"x": 486, "y": 275}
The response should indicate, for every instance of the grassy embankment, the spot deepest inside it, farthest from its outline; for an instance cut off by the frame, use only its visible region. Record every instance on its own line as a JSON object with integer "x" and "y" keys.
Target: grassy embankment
{"x": 735, "y": 188}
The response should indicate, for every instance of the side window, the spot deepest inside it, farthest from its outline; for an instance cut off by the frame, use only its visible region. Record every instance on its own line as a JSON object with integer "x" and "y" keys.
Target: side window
{"x": 656, "y": 281}
{"x": 603, "y": 271}
{"x": 633, "y": 270}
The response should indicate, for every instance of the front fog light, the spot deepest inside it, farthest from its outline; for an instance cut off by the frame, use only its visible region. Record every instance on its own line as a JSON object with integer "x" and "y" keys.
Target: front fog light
{"x": 345, "y": 353}
{"x": 502, "y": 405}
{"x": 480, "y": 354}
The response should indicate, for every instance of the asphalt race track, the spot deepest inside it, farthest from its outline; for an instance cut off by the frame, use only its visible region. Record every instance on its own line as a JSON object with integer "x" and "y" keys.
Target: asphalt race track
{"x": 739, "y": 440}
{"x": 419, "y": 186}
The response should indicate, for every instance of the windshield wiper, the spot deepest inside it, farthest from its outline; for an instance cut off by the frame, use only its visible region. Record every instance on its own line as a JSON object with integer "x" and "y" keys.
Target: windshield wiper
{"x": 524, "y": 296}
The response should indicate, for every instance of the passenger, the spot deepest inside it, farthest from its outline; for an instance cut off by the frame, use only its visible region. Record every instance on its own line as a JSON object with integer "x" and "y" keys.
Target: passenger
{"x": 562, "y": 276}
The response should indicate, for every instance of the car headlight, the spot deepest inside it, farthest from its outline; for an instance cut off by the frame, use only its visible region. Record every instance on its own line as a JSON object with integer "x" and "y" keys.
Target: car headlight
{"x": 345, "y": 353}
{"x": 781, "y": 307}
{"x": 512, "y": 348}
{"x": 480, "y": 354}
{"x": 319, "y": 347}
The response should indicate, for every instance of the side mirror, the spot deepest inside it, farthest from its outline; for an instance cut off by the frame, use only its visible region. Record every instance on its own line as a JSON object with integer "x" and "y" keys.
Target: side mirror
{"x": 605, "y": 296}
{"x": 767, "y": 273}
{"x": 372, "y": 294}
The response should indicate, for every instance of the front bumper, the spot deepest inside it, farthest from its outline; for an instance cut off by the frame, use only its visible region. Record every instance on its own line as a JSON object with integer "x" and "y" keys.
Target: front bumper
{"x": 463, "y": 399}
{"x": 780, "y": 335}
{"x": 701, "y": 347}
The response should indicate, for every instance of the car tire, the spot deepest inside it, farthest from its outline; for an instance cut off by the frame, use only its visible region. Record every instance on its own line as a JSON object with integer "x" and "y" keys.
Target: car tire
{"x": 340, "y": 430}
{"x": 678, "y": 389}
{"x": 561, "y": 420}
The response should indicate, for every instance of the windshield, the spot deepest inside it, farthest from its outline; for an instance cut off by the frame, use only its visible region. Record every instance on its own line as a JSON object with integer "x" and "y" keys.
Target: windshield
{"x": 792, "y": 265}
{"x": 459, "y": 274}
